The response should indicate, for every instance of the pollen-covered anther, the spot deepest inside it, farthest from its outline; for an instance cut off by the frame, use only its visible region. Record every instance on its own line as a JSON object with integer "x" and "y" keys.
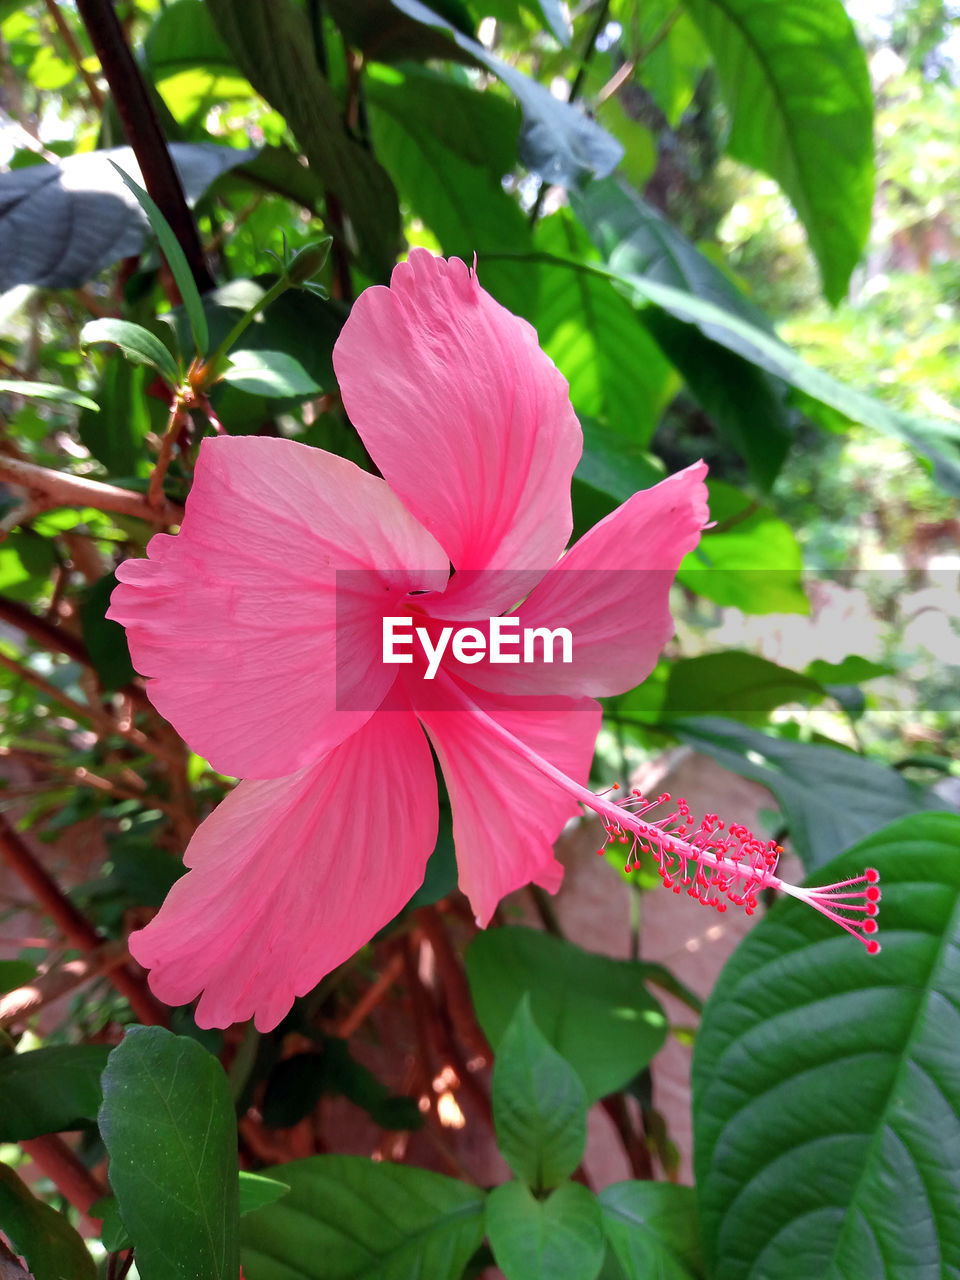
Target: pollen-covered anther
{"x": 720, "y": 864}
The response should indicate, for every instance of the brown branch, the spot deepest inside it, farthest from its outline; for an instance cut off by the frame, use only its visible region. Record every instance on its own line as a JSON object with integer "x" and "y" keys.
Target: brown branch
{"x": 19, "y": 1005}
{"x": 454, "y": 983}
{"x": 58, "y": 489}
{"x": 140, "y": 124}
{"x": 371, "y": 998}
{"x": 66, "y": 1171}
{"x": 76, "y": 53}
{"x": 71, "y": 922}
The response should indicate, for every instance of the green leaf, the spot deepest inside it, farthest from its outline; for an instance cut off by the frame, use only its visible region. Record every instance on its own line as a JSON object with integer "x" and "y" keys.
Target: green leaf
{"x": 269, "y": 373}
{"x": 15, "y": 973}
{"x": 615, "y": 369}
{"x": 735, "y": 684}
{"x": 559, "y": 1238}
{"x": 539, "y": 1105}
{"x": 113, "y": 1234}
{"x": 134, "y": 341}
{"x": 614, "y": 465}
{"x": 47, "y": 1090}
{"x": 745, "y": 403}
{"x": 106, "y": 640}
{"x": 559, "y": 142}
{"x": 168, "y": 1123}
{"x": 852, "y": 670}
{"x": 751, "y": 560}
{"x": 652, "y": 1229}
{"x": 938, "y": 441}
{"x": 115, "y": 433}
{"x": 446, "y": 147}
{"x": 798, "y": 90}
{"x": 349, "y": 1218}
{"x": 52, "y": 1248}
{"x": 829, "y": 797}
{"x": 46, "y": 391}
{"x": 272, "y": 42}
{"x": 257, "y": 1191}
{"x": 594, "y": 1010}
{"x": 183, "y": 38}
{"x": 825, "y": 1088}
{"x": 176, "y": 261}
{"x": 384, "y": 34}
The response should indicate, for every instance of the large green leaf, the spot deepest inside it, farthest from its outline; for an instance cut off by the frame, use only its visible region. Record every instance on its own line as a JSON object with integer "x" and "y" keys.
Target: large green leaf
{"x": 829, "y": 797}
{"x": 349, "y": 1218}
{"x": 273, "y": 374}
{"x": 47, "y": 391}
{"x": 559, "y": 142}
{"x": 652, "y": 1229}
{"x": 446, "y": 148}
{"x": 798, "y": 90}
{"x": 594, "y": 1010}
{"x": 45, "y": 1090}
{"x": 826, "y": 1090}
{"x": 168, "y": 1123}
{"x": 558, "y": 1238}
{"x": 38, "y": 1233}
{"x": 273, "y": 45}
{"x": 539, "y": 1105}
{"x": 746, "y": 404}
{"x": 615, "y": 369}
{"x": 741, "y": 685}
{"x": 750, "y": 559}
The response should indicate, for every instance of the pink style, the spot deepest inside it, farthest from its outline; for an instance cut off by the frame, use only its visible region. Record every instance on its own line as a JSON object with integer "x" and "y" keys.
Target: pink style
{"x": 259, "y": 628}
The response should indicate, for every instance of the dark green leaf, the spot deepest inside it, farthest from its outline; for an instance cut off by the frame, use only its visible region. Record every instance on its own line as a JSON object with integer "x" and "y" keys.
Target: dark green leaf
{"x": 652, "y": 1228}
{"x": 63, "y": 223}
{"x": 176, "y": 261}
{"x": 539, "y": 1105}
{"x": 168, "y": 1123}
{"x": 829, "y": 797}
{"x": 384, "y": 34}
{"x": 113, "y": 1234}
{"x": 826, "y": 1092}
{"x": 183, "y": 38}
{"x": 52, "y": 1248}
{"x": 558, "y": 142}
{"x": 614, "y": 465}
{"x": 273, "y": 45}
{"x": 798, "y": 90}
{"x": 746, "y": 404}
{"x": 46, "y": 391}
{"x": 733, "y": 684}
{"x": 257, "y": 1191}
{"x": 269, "y": 373}
{"x": 106, "y": 640}
{"x": 115, "y": 433}
{"x": 559, "y": 1238}
{"x": 594, "y": 1010}
{"x": 46, "y": 1090}
{"x": 15, "y": 973}
{"x": 349, "y": 1218}
{"x": 136, "y": 342}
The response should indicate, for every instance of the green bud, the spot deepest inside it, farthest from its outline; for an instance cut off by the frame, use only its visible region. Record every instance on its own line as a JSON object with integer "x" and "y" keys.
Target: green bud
{"x": 310, "y": 259}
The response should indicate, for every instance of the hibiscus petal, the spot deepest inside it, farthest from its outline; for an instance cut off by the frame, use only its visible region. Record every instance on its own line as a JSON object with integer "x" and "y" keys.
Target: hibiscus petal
{"x": 506, "y": 814}
{"x": 290, "y": 876}
{"x": 467, "y": 419}
{"x": 260, "y": 623}
{"x": 612, "y": 592}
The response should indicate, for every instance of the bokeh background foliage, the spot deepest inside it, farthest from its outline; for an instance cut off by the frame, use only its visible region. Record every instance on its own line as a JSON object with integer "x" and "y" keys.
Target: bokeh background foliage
{"x": 734, "y": 225}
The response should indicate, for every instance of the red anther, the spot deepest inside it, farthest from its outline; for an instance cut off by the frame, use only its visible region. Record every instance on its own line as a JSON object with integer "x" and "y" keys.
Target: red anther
{"x": 873, "y": 946}
{"x": 871, "y": 909}
{"x": 873, "y": 894}
{"x": 616, "y": 786}
{"x": 871, "y": 875}
{"x": 870, "y": 926}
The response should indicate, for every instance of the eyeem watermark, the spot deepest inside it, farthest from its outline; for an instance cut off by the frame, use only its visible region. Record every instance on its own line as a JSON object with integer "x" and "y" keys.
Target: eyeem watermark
{"x": 506, "y": 643}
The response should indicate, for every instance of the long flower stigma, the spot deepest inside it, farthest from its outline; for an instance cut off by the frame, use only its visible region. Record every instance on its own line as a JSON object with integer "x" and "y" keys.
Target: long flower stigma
{"x": 722, "y": 865}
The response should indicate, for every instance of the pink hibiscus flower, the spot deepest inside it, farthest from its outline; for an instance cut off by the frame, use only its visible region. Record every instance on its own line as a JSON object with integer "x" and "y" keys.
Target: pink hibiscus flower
{"x": 260, "y": 625}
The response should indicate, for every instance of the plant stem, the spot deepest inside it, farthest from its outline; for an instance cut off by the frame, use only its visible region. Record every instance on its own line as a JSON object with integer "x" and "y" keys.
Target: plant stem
{"x": 58, "y": 489}
{"x": 142, "y": 128}
{"x": 71, "y": 922}
{"x": 76, "y": 53}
